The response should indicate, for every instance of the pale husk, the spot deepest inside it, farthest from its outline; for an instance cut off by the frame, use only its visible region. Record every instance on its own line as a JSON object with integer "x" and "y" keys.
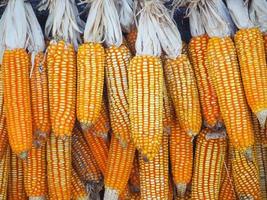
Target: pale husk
{"x": 111, "y": 194}
{"x": 125, "y": 10}
{"x": 195, "y": 22}
{"x": 258, "y": 14}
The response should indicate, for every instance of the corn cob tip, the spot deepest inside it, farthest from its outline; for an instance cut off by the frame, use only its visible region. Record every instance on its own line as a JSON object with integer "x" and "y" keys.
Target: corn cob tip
{"x": 262, "y": 116}
{"x": 85, "y": 127}
{"x": 191, "y": 133}
{"x": 23, "y": 155}
{"x": 181, "y": 189}
{"x": 248, "y": 153}
{"x": 93, "y": 187}
{"x": 246, "y": 197}
{"x": 37, "y": 198}
{"x": 111, "y": 194}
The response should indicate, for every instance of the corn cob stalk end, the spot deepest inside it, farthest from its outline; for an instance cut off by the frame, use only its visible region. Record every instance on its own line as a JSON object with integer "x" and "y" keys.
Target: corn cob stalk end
{"x": 37, "y": 198}
{"x": 111, "y": 194}
{"x": 262, "y": 116}
{"x": 181, "y": 189}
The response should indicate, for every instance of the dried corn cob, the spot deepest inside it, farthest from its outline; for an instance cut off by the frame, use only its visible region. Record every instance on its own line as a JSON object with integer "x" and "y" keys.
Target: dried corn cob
{"x": 154, "y": 174}
{"x": 118, "y": 59}
{"x": 78, "y": 190}
{"x": 210, "y": 155}
{"x": 134, "y": 182}
{"x": 61, "y": 65}
{"x": 207, "y": 96}
{"x": 259, "y": 132}
{"x": 99, "y": 148}
{"x": 265, "y": 43}
{"x": 4, "y": 172}
{"x": 119, "y": 165}
{"x": 83, "y": 160}
{"x": 131, "y": 39}
{"x": 181, "y": 156}
{"x": 168, "y": 110}
{"x": 39, "y": 99}
{"x": 91, "y": 61}
{"x": 245, "y": 176}
{"x": 17, "y": 100}
{"x": 34, "y": 171}
{"x": 15, "y": 181}
{"x": 180, "y": 81}
{"x": 59, "y": 167}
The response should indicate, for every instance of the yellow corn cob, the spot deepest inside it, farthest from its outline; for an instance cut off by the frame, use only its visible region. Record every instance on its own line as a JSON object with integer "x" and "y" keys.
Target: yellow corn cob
{"x": 226, "y": 79}
{"x": 39, "y": 99}
{"x": 210, "y": 156}
{"x": 99, "y": 148}
{"x": 134, "y": 182}
{"x": 59, "y": 167}
{"x": 146, "y": 104}
{"x": 118, "y": 59}
{"x": 119, "y": 165}
{"x": 90, "y": 62}
{"x": 207, "y": 96}
{"x": 61, "y": 65}
{"x": 183, "y": 90}
{"x": 251, "y": 54}
{"x": 181, "y": 156}
{"x": 245, "y": 176}
{"x": 34, "y": 170}
{"x": 131, "y": 39}
{"x": 83, "y": 160}
{"x": 17, "y": 100}
{"x": 78, "y": 190}
{"x": 15, "y": 181}
{"x": 4, "y": 172}
{"x": 154, "y": 174}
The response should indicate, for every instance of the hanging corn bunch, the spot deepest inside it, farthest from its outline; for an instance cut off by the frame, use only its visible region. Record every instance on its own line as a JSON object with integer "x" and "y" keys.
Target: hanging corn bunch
{"x": 198, "y": 55}
{"x": 225, "y": 75}
{"x": 251, "y": 54}
{"x": 4, "y": 172}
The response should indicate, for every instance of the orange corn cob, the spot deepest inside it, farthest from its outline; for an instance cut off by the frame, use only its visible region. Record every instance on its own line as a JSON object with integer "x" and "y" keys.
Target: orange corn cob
{"x": 168, "y": 109}
{"x": 251, "y": 54}
{"x": 91, "y": 61}
{"x": 59, "y": 167}
{"x": 78, "y": 190}
{"x": 4, "y": 172}
{"x": 83, "y": 160}
{"x": 15, "y": 181}
{"x": 34, "y": 170}
{"x": 119, "y": 165}
{"x": 210, "y": 156}
{"x": 134, "y": 182}
{"x": 245, "y": 176}
{"x": 39, "y": 99}
{"x": 181, "y": 156}
{"x": 131, "y": 39}
{"x": 61, "y": 65}
{"x": 99, "y": 148}
{"x": 154, "y": 174}
{"x": 146, "y": 104}
{"x": 17, "y": 100}
{"x": 183, "y": 90}
{"x": 229, "y": 89}
{"x": 118, "y": 59}
{"x": 207, "y": 96}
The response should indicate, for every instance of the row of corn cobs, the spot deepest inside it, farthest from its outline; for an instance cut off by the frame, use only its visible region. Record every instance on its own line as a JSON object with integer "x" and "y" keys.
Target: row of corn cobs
{"x": 71, "y": 126}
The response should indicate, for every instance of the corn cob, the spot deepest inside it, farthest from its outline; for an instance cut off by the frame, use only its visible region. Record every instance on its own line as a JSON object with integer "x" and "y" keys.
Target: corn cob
{"x": 181, "y": 156}
{"x": 83, "y": 160}
{"x": 39, "y": 99}
{"x": 17, "y": 100}
{"x": 146, "y": 104}
{"x": 265, "y": 43}
{"x": 15, "y": 181}
{"x": 207, "y": 96}
{"x": 99, "y": 148}
{"x": 180, "y": 81}
{"x": 210, "y": 155}
{"x": 59, "y": 167}
{"x": 259, "y": 132}
{"x": 61, "y": 65}
{"x": 154, "y": 174}
{"x": 245, "y": 176}
{"x": 250, "y": 50}
{"x": 90, "y": 62}
{"x": 134, "y": 182}
{"x": 78, "y": 190}
{"x": 119, "y": 165}
{"x": 168, "y": 110}
{"x": 186, "y": 197}
{"x": 118, "y": 59}
{"x": 4, "y": 172}
{"x": 131, "y": 39}
{"x": 228, "y": 86}
{"x": 34, "y": 171}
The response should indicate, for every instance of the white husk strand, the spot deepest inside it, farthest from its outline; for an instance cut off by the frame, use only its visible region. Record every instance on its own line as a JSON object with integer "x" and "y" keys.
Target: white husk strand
{"x": 216, "y": 19}
{"x": 126, "y": 14}
{"x": 63, "y": 22}
{"x": 111, "y": 194}
{"x": 239, "y": 13}
{"x": 195, "y": 22}
{"x": 37, "y": 198}
{"x": 156, "y": 30}
{"x": 258, "y": 14}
